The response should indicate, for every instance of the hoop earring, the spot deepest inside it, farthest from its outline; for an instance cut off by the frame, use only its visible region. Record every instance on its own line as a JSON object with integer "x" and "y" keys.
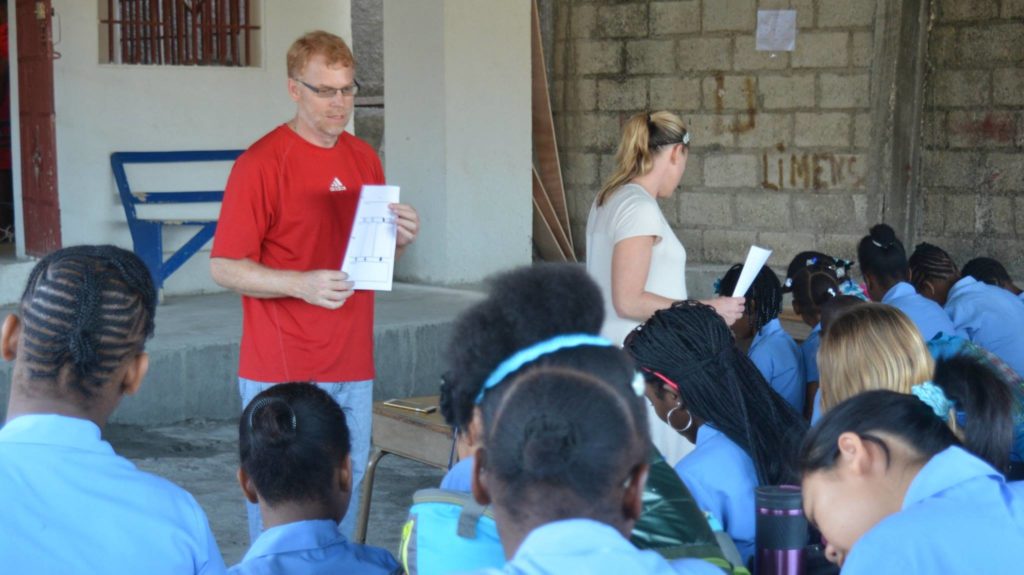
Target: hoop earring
{"x": 668, "y": 419}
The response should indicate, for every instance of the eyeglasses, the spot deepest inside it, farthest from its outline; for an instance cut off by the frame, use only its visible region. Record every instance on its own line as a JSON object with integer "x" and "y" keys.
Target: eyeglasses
{"x": 327, "y": 93}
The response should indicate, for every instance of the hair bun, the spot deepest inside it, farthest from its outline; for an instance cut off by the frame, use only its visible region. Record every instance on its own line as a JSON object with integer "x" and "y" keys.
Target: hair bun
{"x": 883, "y": 236}
{"x": 273, "y": 421}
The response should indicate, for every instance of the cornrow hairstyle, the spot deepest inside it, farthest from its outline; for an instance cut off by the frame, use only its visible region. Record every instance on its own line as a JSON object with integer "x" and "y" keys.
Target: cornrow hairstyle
{"x": 801, "y": 261}
{"x": 763, "y": 298}
{"x": 291, "y": 437}
{"x": 85, "y": 309}
{"x": 870, "y": 415}
{"x": 561, "y": 442}
{"x": 525, "y": 306}
{"x": 931, "y": 263}
{"x": 692, "y": 346}
{"x": 985, "y": 407}
{"x": 815, "y": 285}
{"x": 881, "y": 254}
{"x": 987, "y": 270}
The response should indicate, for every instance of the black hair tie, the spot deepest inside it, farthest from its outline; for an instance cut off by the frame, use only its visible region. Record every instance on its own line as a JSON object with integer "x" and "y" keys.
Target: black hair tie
{"x": 262, "y": 403}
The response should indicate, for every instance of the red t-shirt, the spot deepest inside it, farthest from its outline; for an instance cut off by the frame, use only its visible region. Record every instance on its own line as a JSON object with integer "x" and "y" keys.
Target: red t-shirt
{"x": 289, "y": 205}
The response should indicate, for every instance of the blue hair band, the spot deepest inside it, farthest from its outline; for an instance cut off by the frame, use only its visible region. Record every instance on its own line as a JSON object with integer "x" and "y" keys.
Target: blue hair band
{"x": 933, "y": 396}
{"x": 532, "y": 353}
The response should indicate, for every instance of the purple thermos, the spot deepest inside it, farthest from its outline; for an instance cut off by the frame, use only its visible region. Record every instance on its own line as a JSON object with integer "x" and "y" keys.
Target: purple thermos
{"x": 781, "y": 530}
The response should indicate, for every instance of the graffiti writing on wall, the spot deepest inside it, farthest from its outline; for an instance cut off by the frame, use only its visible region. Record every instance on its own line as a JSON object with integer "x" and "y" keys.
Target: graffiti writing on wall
{"x": 810, "y": 171}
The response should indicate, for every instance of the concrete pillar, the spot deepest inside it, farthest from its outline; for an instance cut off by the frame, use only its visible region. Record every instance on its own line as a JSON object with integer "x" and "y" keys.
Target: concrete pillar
{"x": 458, "y": 133}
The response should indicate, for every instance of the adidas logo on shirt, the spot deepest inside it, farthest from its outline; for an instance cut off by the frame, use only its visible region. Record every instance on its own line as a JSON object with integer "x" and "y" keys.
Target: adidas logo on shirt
{"x": 337, "y": 186}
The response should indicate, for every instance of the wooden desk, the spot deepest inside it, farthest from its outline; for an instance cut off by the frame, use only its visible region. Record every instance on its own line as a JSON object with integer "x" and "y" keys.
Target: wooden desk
{"x": 423, "y": 437}
{"x": 794, "y": 325}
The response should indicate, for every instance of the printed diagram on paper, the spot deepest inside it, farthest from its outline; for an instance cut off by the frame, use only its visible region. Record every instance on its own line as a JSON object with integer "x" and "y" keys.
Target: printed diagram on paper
{"x": 370, "y": 256}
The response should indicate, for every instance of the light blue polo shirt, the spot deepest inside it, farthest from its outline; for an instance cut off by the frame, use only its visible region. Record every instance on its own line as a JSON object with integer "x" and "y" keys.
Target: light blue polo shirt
{"x": 959, "y": 516}
{"x": 587, "y": 546}
{"x": 779, "y": 360}
{"x": 722, "y": 478}
{"x": 460, "y": 476}
{"x": 990, "y": 317}
{"x": 71, "y": 505}
{"x": 809, "y": 350}
{"x": 927, "y": 315}
{"x": 314, "y": 547}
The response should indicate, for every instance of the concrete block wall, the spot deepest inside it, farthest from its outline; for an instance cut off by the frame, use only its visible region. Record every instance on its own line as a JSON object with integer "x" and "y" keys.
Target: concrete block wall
{"x": 780, "y": 140}
{"x": 972, "y": 192}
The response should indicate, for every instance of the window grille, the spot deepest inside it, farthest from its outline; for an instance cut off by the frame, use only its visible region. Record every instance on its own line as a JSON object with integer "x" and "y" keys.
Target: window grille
{"x": 179, "y": 32}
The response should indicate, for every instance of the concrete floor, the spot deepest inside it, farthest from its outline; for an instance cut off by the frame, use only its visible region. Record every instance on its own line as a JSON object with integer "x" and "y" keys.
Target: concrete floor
{"x": 202, "y": 456}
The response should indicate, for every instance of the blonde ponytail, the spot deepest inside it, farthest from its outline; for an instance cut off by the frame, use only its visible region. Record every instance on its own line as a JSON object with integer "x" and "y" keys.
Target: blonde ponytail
{"x": 642, "y": 135}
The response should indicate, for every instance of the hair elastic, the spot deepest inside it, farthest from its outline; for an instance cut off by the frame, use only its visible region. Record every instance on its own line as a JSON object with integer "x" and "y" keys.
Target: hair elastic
{"x": 933, "y": 396}
{"x": 535, "y": 351}
{"x": 265, "y": 401}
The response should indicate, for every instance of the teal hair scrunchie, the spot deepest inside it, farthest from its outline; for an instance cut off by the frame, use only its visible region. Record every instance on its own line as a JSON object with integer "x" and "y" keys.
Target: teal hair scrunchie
{"x": 933, "y": 396}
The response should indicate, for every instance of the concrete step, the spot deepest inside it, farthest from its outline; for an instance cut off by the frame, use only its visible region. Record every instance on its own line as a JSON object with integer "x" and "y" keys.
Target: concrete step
{"x": 13, "y": 276}
{"x": 194, "y": 355}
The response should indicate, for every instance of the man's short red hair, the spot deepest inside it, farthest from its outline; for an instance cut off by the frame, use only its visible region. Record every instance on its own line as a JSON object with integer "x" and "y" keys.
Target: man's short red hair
{"x": 322, "y": 43}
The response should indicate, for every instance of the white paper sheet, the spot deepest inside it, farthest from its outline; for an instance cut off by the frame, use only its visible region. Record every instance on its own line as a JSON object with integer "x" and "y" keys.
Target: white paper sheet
{"x": 776, "y": 30}
{"x": 370, "y": 256}
{"x": 756, "y": 258}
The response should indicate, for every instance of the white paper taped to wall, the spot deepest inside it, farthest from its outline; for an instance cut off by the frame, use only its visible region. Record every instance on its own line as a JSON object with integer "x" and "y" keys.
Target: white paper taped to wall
{"x": 776, "y": 30}
{"x": 756, "y": 258}
{"x": 370, "y": 255}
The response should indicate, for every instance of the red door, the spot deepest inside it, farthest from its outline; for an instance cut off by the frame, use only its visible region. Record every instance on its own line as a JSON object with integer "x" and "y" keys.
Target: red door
{"x": 40, "y": 204}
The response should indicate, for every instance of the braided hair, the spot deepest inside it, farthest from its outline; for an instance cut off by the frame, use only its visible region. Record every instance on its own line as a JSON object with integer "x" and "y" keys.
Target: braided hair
{"x": 881, "y": 254}
{"x": 763, "y": 298}
{"x": 290, "y": 439}
{"x": 814, "y": 286}
{"x": 987, "y": 270}
{"x": 691, "y": 345}
{"x": 931, "y": 263}
{"x": 561, "y": 441}
{"x": 525, "y": 306}
{"x": 85, "y": 309}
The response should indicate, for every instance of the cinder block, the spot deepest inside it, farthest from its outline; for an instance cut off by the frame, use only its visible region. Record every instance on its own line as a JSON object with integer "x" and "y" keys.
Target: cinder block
{"x": 597, "y": 131}
{"x": 932, "y": 212}
{"x": 992, "y": 45}
{"x": 943, "y": 47}
{"x": 862, "y": 130}
{"x": 670, "y": 209}
{"x": 580, "y": 169}
{"x": 787, "y": 92}
{"x": 1008, "y": 87}
{"x": 693, "y": 177}
{"x": 598, "y": 57}
{"x": 821, "y": 50}
{"x": 845, "y": 91}
{"x": 804, "y": 10}
{"x": 763, "y": 210}
{"x": 960, "y": 213}
{"x": 961, "y": 88}
{"x": 784, "y": 246}
{"x": 726, "y": 246}
{"x": 957, "y": 10}
{"x": 991, "y": 129}
{"x": 862, "y": 49}
{"x": 935, "y": 133}
{"x": 822, "y": 130}
{"x": 722, "y": 15}
{"x": 650, "y": 57}
{"x": 994, "y": 214}
{"x": 1020, "y": 215}
{"x": 584, "y": 21}
{"x": 705, "y": 209}
{"x": 845, "y": 13}
{"x": 1013, "y": 9}
{"x": 675, "y": 93}
{"x": 679, "y": 17}
{"x": 608, "y": 167}
{"x": 746, "y": 56}
{"x": 710, "y": 129}
{"x": 722, "y": 93}
{"x": 580, "y": 94}
{"x": 841, "y": 245}
{"x": 704, "y": 53}
{"x": 731, "y": 171}
{"x": 693, "y": 243}
{"x": 622, "y": 21}
{"x": 950, "y": 169}
{"x": 769, "y": 131}
{"x": 1005, "y": 172}
{"x": 829, "y": 213}
{"x": 629, "y": 94}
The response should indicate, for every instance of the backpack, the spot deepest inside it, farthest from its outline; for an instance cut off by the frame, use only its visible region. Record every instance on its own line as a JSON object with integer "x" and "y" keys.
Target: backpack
{"x": 449, "y": 532}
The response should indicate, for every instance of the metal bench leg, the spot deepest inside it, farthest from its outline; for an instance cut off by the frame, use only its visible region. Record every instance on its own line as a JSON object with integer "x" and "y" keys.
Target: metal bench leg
{"x": 364, "y": 504}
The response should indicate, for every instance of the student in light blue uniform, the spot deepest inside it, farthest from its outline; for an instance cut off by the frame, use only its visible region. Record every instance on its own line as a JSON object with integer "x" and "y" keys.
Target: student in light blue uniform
{"x": 772, "y": 350}
{"x": 70, "y": 504}
{"x": 990, "y": 271}
{"x": 295, "y": 463}
{"x": 883, "y": 261}
{"x": 888, "y": 486}
{"x": 987, "y": 315}
{"x": 813, "y": 285}
{"x": 710, "y": 392}
{"x": 563, "y": 464}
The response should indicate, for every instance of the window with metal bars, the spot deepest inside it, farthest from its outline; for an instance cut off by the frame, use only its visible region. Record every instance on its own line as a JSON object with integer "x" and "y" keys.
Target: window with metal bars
{"x": 179, "y": 32}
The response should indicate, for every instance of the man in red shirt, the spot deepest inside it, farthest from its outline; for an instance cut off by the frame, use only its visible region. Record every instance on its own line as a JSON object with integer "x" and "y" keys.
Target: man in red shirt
{"x": 284, "y": 225}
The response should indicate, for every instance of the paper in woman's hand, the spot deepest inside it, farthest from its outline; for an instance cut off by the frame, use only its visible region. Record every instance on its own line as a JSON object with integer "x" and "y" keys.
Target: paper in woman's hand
{"x": 756, "y": 258}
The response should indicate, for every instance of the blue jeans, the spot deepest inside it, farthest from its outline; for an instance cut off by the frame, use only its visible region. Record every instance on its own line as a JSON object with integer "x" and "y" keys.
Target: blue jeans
{"x": 356, "y": 399}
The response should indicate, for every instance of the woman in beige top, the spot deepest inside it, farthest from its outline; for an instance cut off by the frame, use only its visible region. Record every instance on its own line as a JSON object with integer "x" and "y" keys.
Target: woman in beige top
{"x": 632, "y": 252}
